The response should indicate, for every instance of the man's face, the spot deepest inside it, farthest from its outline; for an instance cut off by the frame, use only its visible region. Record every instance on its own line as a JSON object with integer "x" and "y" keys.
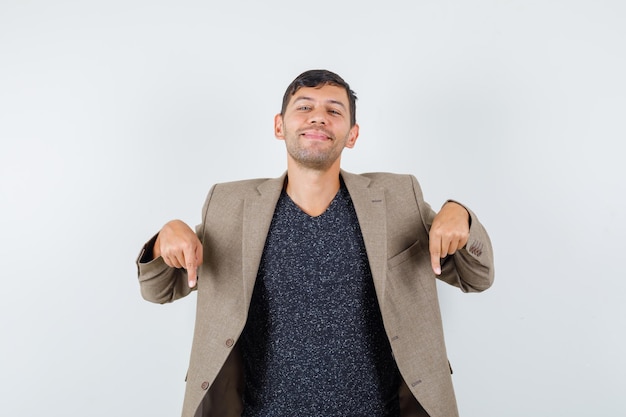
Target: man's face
{"x": 316, "y": 126}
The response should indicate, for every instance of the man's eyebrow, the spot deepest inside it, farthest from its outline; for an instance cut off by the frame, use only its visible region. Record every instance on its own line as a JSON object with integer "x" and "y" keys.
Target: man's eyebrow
{"x": 306, "y": 98}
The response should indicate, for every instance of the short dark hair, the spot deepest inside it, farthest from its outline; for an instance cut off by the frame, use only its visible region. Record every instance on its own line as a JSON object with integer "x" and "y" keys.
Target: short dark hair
{"x": 320, "y": 78}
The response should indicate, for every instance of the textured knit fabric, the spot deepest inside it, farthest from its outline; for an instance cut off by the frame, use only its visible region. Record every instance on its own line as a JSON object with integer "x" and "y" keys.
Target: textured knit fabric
{"x": 314, "y": 343}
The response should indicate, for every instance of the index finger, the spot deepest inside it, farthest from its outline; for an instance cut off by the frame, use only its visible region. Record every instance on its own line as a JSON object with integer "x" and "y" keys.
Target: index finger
{"x": 191, "y": 265}
{"x": 434, "y": 246}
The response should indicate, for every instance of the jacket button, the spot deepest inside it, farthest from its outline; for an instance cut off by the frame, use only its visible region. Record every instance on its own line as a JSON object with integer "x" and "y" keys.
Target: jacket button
{"x": 230, "y": 343}
{"x": 204, "y": 385}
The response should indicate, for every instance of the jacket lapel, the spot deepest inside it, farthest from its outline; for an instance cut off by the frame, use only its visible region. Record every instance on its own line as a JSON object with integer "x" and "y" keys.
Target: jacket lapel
{"x": 369, "y": 204}
{"x": 257, "y": 217}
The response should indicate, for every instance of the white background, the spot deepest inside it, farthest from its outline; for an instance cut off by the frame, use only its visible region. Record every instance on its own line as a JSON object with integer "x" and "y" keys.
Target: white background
{"x": 116, "y": 116}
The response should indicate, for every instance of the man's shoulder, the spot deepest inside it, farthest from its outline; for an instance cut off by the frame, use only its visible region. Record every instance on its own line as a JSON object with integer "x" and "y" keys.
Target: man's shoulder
{"x": 386, "y": 176}
{"x": 381, "y": 179}
{"x": 243, "y": 184}
{"x": 247, "y": 186}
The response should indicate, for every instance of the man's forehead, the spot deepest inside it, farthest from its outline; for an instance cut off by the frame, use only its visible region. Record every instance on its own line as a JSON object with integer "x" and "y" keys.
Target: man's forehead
{"x": 327, "y": 93}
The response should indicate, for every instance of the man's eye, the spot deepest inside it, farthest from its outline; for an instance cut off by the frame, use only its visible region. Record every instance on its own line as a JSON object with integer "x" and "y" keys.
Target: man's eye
{"x": 333, "y": 111}
{"x": 304, "y": 108}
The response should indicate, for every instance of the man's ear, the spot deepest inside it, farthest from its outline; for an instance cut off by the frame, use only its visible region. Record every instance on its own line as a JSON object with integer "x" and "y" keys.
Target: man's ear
{"x": 353, "y": 135}
{"x": 279, "y": 131}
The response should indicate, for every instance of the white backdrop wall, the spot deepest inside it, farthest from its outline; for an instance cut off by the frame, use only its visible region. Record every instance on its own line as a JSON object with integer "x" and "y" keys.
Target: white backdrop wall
{"x": 117, "y": 116}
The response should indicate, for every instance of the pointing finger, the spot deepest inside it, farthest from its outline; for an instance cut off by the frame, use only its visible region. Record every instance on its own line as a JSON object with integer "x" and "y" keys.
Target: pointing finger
{"x": 191, "y": 265}
{"x": 435, "y": 254}
{"x": 192, "y": 274}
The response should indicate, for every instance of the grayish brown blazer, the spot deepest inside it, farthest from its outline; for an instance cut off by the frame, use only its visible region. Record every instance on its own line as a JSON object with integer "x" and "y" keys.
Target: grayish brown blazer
{"x": 394, "y": 220}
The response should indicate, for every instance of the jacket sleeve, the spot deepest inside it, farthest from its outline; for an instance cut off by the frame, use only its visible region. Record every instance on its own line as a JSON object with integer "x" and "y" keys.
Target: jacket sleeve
{"x": 158, "y": 282}
{"x": 470, "y": 268}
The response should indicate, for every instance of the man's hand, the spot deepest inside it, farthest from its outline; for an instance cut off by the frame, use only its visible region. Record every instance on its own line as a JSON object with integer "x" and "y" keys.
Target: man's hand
{"x": 448, "y": 233}
{"x": 179, "y": 246}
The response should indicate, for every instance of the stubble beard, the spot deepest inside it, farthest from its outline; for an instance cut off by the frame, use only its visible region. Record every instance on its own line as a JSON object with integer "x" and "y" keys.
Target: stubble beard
{"x": 314, "y": 157}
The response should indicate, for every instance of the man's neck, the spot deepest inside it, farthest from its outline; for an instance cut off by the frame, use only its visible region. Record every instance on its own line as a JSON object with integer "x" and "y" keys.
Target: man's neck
{"x": 312, "y": 190}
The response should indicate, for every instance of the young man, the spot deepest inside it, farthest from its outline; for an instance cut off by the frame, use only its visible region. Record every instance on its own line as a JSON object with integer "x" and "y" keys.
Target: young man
{"x": 317, "y": 290}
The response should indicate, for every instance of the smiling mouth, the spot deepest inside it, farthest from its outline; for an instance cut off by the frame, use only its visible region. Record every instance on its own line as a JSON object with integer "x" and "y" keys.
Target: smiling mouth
{"x": 316, "y": 135}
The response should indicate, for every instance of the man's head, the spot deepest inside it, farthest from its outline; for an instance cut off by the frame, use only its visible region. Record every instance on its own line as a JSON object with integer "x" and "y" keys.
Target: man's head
{"x": 317, "y": 120}
{"x": 320, "y": 78}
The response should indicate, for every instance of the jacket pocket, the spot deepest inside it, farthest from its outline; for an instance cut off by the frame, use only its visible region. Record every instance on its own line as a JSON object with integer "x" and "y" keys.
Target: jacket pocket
{"x": 404, "y": 256}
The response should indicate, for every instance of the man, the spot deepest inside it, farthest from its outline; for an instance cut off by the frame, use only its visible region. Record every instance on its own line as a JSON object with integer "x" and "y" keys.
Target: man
{"x": 316, "y": 290}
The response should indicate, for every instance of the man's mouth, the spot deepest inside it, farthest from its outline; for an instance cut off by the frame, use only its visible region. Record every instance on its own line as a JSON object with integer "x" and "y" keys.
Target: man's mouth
{"x": 316, "y": 135}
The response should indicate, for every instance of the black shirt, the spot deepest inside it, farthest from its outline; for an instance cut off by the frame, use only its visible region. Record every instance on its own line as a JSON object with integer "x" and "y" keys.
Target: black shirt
{"x": 314, "y": 343}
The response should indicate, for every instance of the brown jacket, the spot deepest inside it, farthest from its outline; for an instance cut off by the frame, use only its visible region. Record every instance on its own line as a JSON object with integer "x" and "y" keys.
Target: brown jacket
{"x": 394, "y": 220}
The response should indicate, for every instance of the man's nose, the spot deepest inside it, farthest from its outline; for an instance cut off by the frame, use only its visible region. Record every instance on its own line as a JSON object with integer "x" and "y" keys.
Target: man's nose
{"x": 318, "y": 117}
